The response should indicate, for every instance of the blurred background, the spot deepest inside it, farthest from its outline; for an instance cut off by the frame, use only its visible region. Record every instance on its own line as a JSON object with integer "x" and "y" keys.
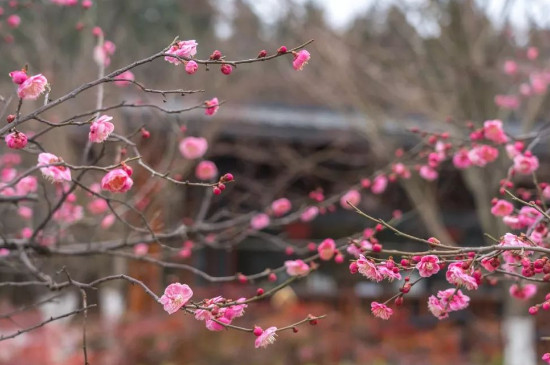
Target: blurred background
{"x": 378, "y": 70}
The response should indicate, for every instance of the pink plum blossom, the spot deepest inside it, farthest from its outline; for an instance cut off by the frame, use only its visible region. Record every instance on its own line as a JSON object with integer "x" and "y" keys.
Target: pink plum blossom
{"x": 492, "y": 130}
{"x": 18, "y": 77}
{"x": 428, "y": 266}
{"x": 32, "y": 87}
{"x": 259, "y": 221}
{"x": 546, "y": 358}
{"x": 266, "y": 338}
{"x": 121, "y": 79}
{"x": 281, "y": 206}
{"x": 300, "y": 59}
{"x": 141, "y": 249}
{"x": 100, "y": 129}
{"x": 98, "y": 206}
{"x": 191, "y": 67}
{"x": 525, "y": 164}
{"x": 108, "y": 221}
{"x": 16, "y": 140}
{"x": 510, "y": 67}
{"x": 103, "y": 52}
{"x": 326, "y": 249}
{"x": 502, "y": 208}
{"x": 183, "y": 49}
{"x": 175, "y": 296}
{"x": 353, "y": 196}
{"x": 461, "y": 159}
{"x": 461, "y": 277}
{"x": 368, "y": 269}
{"x": 296, "y": 267}
{"x": 532, "y": 53}
{"x": 117, "y": 181}
{"x": 524, "y": 292}
{"x": 206, "y": 170}
{"x": 69, "y": 213}
{"x": 449, "y": 300}
{"x": 212, "y": 106}
{"x": 481, "y": 155}
{"x": 309, "y": 214}
{"x": 53, "y": 173}
{"x": 389, "y": 273}
{"x": 13, "y": 21}
{"x": 379, "y": 184}
{"x": 193, "y": 147}
{"x": 380, "y": 310}
{"x": 26, "y": 185}
{"x": 25, "y": 212}
{"x": 428, "y": 173}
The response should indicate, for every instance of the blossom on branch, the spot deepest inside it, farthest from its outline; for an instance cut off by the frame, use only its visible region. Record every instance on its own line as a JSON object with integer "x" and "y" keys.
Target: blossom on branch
{"x": 266, "y": 338}
{"x": 175, "y": 296}
{"x": 54, "y": 173}
{"x": 117, "y": 181}
{"x": 184, "y": 49}
{"x": 100, "y": 129}
{"x": 32, "y": 87}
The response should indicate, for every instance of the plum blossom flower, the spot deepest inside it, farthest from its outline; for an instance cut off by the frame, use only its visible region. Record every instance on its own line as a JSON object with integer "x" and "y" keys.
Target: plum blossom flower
{"x": 461, "y": 277}
{"x": 428, "y": 173}
{"x": 502, "y": 208}
{"x": 326, "y": 249}
{"x": 380, "y": 310}
{"x": 546, "y": 357}
{"x": 212, "y": 106}
{"x": 461, "y": 159}
{"x": 141, "y": 249}
{"x": 379, "y": 184}
{"x": 32, "y": 87}
{"x": 175, "y": 296}
{"x": 13, "y": 21}
{"x": 193, "y": 147}
{"x": 368, "y": 269}
{"x": 300, "y": 59}
{"x": 353, "y": 196}
{"x": 16, "y": 140}
{"x": 259, "y": 221}
{"x": 296, "y": 267}
{"x": 26, "y": 185}
{"x": 191, "y": 67}
{"x": 309, "y": 214}
{"x": 117, "y": 181}
{"x": 510, "y": 67}
{"x": 389, "y": 273}
{"x": 206, "y": 170}
{"x": 100, "y": 129}
{"x": 102, "y": 53}
{"x": 447, "y": 301}
{"x": 492, "y": 130}
{"x": 525, "y": 164}
{"x": 108, "y": 221}
{"x": 53, "y": 173}
{"x": 98, "y": 206}
{"x": 481, "y": 155}
{"x": 281, "y": 206}
{"x": 428, "y": 266}
{"x": 69, "y": 213}
{"x": 184, "y": 49}
{"x": 18, "y": 77}
{"x": 524, "y": 292}
{"x": 266, "y": 338}
{"x": 121, "y": 80}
